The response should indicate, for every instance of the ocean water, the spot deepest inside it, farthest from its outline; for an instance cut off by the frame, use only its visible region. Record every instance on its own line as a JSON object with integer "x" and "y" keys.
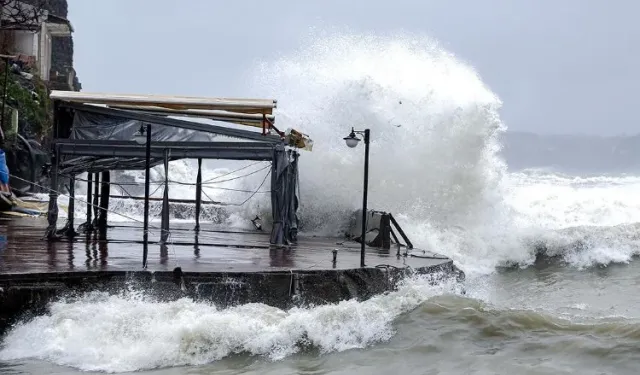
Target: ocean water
{"x": 550, "y": 258}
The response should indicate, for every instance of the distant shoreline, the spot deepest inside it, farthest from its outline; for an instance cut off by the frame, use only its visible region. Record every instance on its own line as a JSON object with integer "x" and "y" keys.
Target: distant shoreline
{"x": 571, "y": 153}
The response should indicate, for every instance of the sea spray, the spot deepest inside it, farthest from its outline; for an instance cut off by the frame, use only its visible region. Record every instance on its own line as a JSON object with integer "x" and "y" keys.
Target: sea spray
{"x": 435, "y": 140}
{"x": 434, "y": 160}
{"x": 433, "y": 121}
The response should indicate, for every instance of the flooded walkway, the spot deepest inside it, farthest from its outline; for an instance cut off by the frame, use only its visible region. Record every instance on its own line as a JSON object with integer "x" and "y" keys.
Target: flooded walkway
{"x": 23, "y": 250}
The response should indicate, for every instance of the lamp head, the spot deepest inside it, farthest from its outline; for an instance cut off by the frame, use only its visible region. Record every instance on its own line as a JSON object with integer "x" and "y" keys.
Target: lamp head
{"x": 140, "y": 137}
{"x": 351, "y": 140}
{"x": 257, "y": 222}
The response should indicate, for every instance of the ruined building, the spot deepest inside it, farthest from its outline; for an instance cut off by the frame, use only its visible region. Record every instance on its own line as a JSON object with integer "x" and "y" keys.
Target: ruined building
{"x": 39, "y": 33}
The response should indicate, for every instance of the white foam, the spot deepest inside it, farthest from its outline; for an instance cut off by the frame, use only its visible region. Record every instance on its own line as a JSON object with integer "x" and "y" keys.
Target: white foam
{"x": 129, "y": 332}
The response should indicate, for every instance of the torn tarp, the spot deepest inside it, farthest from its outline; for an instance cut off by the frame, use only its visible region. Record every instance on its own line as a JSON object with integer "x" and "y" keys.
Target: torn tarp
{"x": 284, "y": 200}
{"x": 96, "y": 126}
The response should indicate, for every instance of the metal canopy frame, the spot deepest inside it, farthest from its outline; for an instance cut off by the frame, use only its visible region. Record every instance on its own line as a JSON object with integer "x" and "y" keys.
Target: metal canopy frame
{"x": 87, "y": 155}
{"x": 177, "y": 150}
{"x": 90, "y": 135}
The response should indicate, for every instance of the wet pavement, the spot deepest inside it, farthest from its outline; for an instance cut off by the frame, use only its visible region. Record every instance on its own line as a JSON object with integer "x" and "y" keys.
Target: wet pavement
{"x": 23, "y": 250}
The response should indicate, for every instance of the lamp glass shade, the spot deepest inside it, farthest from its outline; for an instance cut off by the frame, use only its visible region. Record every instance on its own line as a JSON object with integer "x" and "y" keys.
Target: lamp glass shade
{"x": 140, "y": 138}
{"x": 351, "y": 141}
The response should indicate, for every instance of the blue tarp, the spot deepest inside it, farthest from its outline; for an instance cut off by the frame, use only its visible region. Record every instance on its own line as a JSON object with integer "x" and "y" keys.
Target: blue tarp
{"x": 4, "y": 170}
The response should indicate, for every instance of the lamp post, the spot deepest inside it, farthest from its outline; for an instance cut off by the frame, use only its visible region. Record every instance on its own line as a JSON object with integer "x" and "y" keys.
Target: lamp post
{"x": 140, "y": 139}
{"x": 352, "y": 141}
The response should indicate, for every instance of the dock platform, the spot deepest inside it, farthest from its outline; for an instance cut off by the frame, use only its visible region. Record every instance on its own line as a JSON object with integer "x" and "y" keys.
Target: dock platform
{"x": 225, "y": 267}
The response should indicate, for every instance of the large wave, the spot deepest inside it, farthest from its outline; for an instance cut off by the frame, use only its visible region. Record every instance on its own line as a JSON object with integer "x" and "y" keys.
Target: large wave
{"x": 130, "y": 331}
{"x": 434, "y": 164}
{"x": 435, "y": 161}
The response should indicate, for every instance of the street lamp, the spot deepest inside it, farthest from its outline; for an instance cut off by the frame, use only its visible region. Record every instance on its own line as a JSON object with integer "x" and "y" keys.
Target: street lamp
{"x": 352, "y": 141}
{"x": 141, "y": 138}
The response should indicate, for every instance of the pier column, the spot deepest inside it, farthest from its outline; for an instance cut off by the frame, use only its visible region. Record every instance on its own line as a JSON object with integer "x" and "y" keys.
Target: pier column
{"x": 86, "y": 227}
{"x": 105, "y": 190}
{"x": 96, "y": 199}
{"x": 164, "y": 225}
{"x": 52, "y": 214}
{"x": 69, "y": 228}
{"x": 198, "y": 194}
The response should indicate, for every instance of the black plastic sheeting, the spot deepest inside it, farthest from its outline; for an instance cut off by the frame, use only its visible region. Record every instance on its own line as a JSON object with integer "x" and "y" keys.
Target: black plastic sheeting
{"x": 284, "y": 199}
{"x": 88, "y": 126}
{"x": 95, "y": 126}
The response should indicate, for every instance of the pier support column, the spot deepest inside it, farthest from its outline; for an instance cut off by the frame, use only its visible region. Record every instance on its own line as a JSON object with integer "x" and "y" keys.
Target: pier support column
{"x": 164, "y": 225}
{"x": 52, "y": 214}
{"x": 105, "y": 190}
{"x": 69, "y": 228}
{"x": 86, "y": 226}
{"x": 198, "y": 194}
{"x": 96, "y": 200}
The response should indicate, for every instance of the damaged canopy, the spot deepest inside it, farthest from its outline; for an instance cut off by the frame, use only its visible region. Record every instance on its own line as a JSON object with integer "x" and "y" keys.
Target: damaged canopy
{"x": 102, "y": 138}
{"x": 95, "y": 138}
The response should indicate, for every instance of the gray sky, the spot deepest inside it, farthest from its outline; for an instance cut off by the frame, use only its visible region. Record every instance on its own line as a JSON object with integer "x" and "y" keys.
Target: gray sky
{"x": 559, "y": 66}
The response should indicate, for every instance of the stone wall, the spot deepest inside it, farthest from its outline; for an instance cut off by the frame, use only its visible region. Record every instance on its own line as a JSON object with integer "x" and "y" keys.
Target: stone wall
{"x": 62, "y": 48}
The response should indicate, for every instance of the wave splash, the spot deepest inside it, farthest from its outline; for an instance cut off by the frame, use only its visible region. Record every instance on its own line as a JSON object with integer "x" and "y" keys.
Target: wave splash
{"x": 435, "y": 140}
{"x": 131, "y": 332}
{"x": 435, "y": 160}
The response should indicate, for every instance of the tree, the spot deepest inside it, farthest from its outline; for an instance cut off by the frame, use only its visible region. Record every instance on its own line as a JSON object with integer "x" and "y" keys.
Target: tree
{"x": 26, "y": 14}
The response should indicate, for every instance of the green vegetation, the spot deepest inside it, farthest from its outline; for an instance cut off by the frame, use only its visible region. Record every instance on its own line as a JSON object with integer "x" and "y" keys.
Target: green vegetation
{"x": 30, "y": 98}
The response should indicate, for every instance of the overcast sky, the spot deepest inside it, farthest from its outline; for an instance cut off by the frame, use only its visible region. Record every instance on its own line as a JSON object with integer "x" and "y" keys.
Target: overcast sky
{"x": 559, "y": 66}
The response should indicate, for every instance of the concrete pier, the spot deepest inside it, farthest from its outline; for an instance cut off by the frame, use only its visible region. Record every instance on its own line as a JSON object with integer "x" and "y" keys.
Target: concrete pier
{"x": 223, "y": 267}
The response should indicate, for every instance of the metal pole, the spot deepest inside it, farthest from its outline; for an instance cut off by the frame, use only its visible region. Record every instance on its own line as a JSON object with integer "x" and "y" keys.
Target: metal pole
{"x": 52, "y": 215}
{"x": 364, "y": 196}
{"x": 71, "y": 230}
{"x": 164, "y": 225}
{"x": 198, "y": 194}
{"x": 146, "y": 198}
{"x": 87, "y": 225}
{"x": 96, "y": 200}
